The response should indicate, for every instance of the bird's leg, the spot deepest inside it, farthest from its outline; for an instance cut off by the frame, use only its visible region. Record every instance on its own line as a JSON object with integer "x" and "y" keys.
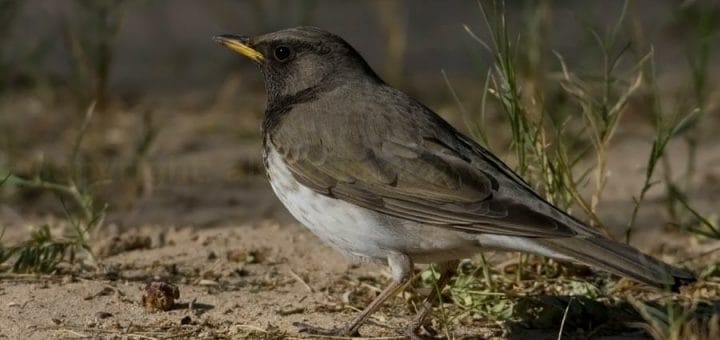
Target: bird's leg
{"x": 446, "y": 270}
{"x": 401, "y": 267}
{"x": 352, "y": 328}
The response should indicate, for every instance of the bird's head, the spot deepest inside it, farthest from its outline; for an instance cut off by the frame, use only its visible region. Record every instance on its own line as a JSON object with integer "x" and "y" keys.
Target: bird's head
{"x": 299, "y": 58}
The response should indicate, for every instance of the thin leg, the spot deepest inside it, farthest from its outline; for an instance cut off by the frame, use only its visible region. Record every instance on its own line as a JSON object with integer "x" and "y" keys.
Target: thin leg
{"x": 352, "y": 328}
{"x": 446, "y": 270}
{"x": 401, "y": 267}
{"x": 360, "y": 319}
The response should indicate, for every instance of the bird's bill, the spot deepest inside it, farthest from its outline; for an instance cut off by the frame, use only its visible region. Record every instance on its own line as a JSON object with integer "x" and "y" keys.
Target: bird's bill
{"x": 239, "y": 44}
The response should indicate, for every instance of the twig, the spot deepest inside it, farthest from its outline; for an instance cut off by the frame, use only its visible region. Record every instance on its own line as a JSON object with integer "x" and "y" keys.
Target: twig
{"x": 78, "y": 334}
{"x": 562, "y": 323}
{"x": 371, "y": 287}
{"x": 300, "y": 280}
{"x": 140, "y": 336}
{"x": 254, "y": 328}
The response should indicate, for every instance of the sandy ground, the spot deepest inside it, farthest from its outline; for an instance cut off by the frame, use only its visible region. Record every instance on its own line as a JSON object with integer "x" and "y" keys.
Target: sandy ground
{"x": 244, "y": 268}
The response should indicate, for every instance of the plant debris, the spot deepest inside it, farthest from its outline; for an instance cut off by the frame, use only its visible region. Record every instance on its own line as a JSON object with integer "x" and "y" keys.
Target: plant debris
{"x": 159, "y": 296}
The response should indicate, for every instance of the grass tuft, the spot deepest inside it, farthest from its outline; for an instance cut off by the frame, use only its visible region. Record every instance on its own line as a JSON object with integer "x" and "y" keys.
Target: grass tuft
{"x": 42, "y": 252}
{"x": 563, "y": 124}
{"x": 677, "y": 322}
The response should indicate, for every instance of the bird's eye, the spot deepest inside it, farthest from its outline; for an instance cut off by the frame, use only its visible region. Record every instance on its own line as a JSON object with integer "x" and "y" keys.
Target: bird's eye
{"x": 282, "y": 53}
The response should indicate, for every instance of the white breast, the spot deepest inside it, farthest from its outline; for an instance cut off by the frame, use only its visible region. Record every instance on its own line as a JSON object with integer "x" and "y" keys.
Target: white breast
{"x": 346, "y": 227}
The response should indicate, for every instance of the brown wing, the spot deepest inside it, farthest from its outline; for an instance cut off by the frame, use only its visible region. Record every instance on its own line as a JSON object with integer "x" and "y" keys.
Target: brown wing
{"x": 412, "y": 166}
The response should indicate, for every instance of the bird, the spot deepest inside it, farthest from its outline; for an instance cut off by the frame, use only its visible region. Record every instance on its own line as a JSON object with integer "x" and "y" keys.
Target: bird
{"x": 380, "y": 177}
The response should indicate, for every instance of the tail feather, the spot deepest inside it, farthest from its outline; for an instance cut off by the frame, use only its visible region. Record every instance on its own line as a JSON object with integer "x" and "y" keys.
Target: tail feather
{"x": 621, "y": 259}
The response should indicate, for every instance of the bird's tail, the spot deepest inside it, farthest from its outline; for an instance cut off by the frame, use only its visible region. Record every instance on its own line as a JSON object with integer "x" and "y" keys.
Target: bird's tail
{"x": 621, "y": 259}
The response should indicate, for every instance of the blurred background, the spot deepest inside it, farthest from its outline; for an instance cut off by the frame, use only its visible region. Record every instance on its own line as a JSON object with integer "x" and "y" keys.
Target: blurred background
{"x": 129, "y": 105}
{"x": 130, "y": 150}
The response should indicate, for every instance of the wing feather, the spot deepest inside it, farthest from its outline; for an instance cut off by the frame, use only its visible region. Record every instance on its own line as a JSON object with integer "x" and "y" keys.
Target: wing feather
{"x": 413, "y": 165}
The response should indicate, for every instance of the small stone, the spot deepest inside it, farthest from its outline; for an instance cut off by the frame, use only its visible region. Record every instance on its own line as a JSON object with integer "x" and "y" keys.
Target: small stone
{"x": 68, "y": 279}
{"x": 103, "y": 315}
{"x": 186, "y": 320}
{"x": 289, "y": 310}
{"x": 205, "y": 282}
{"x": 243, "y": 256}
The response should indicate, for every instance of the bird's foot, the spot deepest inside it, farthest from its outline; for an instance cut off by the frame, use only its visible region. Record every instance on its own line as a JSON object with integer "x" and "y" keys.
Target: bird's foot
{"x": 335, "y": 331}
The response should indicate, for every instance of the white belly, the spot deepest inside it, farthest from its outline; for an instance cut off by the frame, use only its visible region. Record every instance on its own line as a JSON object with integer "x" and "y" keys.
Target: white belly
{"x": 360, "y": 232}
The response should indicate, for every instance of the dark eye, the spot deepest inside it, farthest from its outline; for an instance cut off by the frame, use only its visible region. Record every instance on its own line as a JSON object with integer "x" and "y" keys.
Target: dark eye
{"x": 282, "y": 53}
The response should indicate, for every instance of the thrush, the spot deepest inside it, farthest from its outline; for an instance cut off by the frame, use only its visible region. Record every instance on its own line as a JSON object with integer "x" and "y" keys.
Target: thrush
{"x": 379, "y": 176}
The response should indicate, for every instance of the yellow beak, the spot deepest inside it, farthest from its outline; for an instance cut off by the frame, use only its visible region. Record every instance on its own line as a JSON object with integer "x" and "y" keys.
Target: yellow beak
{"x": 239, "y": 44}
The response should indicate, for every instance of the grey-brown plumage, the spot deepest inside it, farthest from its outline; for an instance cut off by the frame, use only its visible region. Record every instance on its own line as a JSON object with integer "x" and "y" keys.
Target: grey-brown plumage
{"x": 378, "y": 175}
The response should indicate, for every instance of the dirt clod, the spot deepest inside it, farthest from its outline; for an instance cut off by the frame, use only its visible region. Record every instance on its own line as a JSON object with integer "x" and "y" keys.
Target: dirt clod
{"x": 186, "y": 320}
{"x": 103, "y": 315}
{"x": 159, "y": 295}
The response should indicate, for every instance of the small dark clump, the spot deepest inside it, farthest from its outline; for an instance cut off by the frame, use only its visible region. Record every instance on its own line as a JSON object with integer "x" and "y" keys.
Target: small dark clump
{"x": 159, "y": 295}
